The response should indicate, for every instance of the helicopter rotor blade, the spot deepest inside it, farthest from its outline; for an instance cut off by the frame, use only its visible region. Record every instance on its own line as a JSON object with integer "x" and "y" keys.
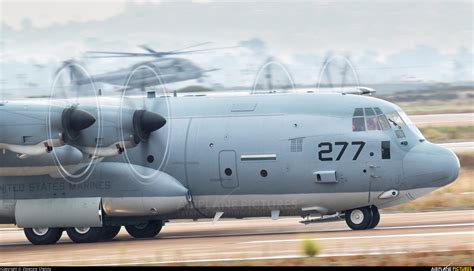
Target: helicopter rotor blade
{"x": 192, "y": 46}
{"x": 147, "y": 48}
{"x": 152, "y": 53}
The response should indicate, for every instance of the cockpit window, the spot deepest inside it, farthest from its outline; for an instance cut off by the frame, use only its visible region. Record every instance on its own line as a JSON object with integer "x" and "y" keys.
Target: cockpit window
{"x": 358, "y": 124}
{"x": 395, "y": 120}
{"x": 410, "y": 124}
{"x": 397, "y": 123}
{"x": 358, "y": 112}
{"x": 369, "y": 119}
{"x": 383, "y": 122}
{"x": 369, "y": 112}
{"x": 372, "y": 123}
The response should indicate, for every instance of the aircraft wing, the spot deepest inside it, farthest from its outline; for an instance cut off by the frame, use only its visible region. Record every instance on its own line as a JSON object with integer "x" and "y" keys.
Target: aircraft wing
{"x": 37, "y": 138}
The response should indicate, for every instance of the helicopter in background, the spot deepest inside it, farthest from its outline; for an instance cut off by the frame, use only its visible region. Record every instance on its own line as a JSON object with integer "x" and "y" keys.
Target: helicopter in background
{"x": 161, "y": 70}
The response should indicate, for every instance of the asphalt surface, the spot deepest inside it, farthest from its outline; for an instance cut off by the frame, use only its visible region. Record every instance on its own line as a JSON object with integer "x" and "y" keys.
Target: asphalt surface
{"x": 248, "y": 239}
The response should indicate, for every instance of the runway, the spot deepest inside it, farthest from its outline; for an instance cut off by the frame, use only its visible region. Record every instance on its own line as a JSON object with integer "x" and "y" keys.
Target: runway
{"x": 458, "y": 119}
{"x": 252, "y": 239}
{"x": 459, "y": 146}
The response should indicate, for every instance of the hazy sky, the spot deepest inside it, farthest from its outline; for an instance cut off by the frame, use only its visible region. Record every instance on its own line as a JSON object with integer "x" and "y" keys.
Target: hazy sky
{"x": 385, "y": 26}
{"x": 298, "y": 33}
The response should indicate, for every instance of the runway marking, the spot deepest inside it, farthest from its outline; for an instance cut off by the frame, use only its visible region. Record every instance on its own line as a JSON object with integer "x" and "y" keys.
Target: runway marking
{"x": 361, "y": 237}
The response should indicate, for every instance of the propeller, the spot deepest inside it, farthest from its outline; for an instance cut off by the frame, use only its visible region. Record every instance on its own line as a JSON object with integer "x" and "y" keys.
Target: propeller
{"x": 150, "y": 128}
{"x": 272, "y": 77}
{"x": 339, "y": 67}
{"x": 79, "y": 121}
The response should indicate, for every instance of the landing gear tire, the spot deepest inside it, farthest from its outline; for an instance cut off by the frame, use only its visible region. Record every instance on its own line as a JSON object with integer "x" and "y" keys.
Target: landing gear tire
{"x": 148, "y": 229}
{"x": 359, "y": 218}
{"x": 109, "y": 233}
{"x": 375, "y": 217}
{"x": 43, "y": 236}
{"x": 85, "y": 234}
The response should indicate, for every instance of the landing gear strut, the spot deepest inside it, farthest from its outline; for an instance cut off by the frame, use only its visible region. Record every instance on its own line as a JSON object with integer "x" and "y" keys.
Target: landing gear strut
{"x": 363, "y": 218}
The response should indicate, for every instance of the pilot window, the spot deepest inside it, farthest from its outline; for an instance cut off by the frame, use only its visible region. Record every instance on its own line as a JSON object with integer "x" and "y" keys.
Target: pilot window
{"x": 369, "y": 119}
{"x": 378, "y": 111}
{"x": 358, "y": 124}
{"x": 395, "y": 119}
{"x": 383, "y": 122}
{"x": 397, "y": 123}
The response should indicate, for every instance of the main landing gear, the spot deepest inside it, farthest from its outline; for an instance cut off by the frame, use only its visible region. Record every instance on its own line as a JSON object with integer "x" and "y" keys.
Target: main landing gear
{"x": 148, "y": 229}
{"x": 363, "y": 218}
{"x": 43, "y": 236}
{"x": 46, "y": 236}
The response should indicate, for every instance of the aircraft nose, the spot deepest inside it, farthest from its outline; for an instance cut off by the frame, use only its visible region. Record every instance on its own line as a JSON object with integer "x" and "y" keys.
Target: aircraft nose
{"x": 430, "y": 165}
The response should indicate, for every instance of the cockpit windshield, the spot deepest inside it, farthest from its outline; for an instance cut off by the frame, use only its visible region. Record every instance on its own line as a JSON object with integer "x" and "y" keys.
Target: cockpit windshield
{"x": 369, "y": 119}
{"x": 373, "y": 119}
{"x": 398, "y": 120}
{"x": 395, "y": 119}
{"x": 410, "y": 124}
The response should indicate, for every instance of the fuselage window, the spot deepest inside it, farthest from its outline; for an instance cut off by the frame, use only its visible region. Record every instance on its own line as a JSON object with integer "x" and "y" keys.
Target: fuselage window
{"x": 385, "y": 149}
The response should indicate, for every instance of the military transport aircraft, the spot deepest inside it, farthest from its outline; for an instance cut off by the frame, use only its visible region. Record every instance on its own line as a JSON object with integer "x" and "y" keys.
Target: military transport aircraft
{"x": 90, "y": 167}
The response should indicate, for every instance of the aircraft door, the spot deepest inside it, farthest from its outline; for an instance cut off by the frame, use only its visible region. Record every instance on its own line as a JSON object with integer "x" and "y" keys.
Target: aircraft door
{"x": 383, "y": 168}
{"x": 228, "y": 169}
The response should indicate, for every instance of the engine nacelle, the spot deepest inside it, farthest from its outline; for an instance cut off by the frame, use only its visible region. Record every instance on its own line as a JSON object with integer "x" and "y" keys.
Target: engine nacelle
{"x": 118, "y": 129}
{"x": 33, "y": 129}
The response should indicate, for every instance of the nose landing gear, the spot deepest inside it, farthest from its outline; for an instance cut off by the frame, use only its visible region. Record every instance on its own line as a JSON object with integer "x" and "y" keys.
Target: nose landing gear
{"x": 363, "y": 218}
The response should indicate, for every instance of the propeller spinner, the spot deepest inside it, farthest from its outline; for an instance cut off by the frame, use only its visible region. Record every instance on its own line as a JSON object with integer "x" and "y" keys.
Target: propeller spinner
{"x": 144, "y": 123}
{"x": 74, "y": 121}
